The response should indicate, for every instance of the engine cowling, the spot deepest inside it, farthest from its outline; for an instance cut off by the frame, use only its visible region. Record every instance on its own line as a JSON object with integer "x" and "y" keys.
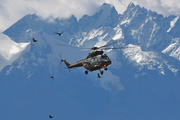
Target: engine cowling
{"x": 95, "y": 53}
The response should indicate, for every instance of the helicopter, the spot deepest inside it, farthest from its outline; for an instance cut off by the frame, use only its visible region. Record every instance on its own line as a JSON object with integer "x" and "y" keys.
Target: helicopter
{"x": 96, "y": 60}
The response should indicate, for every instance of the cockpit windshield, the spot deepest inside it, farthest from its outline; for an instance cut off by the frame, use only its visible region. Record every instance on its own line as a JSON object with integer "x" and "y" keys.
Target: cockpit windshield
{"x": 103, "y": 57}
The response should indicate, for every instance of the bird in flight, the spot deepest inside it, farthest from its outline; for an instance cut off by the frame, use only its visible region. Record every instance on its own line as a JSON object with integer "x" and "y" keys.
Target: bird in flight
{"x": 52, "y": 78}
{"x": 34, "y": 40}
{"x": 50, "y": 116}
{"x": 59, "y": 33}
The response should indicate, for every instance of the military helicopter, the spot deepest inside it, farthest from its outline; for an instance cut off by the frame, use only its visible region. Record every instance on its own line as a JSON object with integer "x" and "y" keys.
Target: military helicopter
{"x": 96, "y": 60}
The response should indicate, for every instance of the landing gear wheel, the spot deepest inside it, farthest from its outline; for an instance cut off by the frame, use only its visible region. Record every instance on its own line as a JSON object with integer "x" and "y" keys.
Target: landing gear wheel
{"x": 106, "y": 68}
{"x": 86, "y": 72}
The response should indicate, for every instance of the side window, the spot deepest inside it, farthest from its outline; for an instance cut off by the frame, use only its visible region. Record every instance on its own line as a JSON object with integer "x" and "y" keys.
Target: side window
{"x": 88, "y": 60}
{"x": 94, "y": 59}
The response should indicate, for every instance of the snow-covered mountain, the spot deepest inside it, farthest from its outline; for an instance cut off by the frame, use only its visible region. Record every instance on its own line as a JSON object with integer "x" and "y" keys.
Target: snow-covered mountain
{"x": 9, "y": 50}
{"x": 150, "y": 33}
{"x": 142, "y": 81}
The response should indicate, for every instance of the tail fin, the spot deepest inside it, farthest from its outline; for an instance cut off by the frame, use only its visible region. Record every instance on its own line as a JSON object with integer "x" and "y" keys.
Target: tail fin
{"x": 67, "y": 63}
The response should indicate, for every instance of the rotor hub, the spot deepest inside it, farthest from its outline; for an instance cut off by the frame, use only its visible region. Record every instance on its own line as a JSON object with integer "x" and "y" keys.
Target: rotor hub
{"x": 94, "y": 48}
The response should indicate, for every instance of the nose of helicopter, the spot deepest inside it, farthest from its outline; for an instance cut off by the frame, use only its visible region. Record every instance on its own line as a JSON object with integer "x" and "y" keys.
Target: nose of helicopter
{"x": 107, "y": 62}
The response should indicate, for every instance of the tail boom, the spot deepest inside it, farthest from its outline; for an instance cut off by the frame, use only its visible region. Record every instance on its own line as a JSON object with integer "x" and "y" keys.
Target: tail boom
{"x": 73, "y": 65}
{"x": 67, "y": 63}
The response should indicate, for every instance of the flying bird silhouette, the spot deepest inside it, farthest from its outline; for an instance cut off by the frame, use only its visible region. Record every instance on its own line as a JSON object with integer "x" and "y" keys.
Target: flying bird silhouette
{"x": 59, "y": 33}
{"x": 50, "y": 116}
{"x": 52, "y": 78}
{"x": 34, "y": 40}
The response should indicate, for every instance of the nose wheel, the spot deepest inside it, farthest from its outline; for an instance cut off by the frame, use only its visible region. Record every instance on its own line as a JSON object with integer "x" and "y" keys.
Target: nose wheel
{"x": 86, "y": 72}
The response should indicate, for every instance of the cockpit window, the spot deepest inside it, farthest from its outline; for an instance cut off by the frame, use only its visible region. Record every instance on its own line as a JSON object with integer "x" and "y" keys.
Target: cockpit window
{"x": 103, "y": 58}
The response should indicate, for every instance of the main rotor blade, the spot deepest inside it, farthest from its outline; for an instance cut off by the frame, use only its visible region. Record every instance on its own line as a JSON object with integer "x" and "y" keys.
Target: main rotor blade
{"x": 93, "y": 48}
{"x": 72, "y": 46}
{"x": 117, "y": 48}
{"x": 110, "y": 43}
